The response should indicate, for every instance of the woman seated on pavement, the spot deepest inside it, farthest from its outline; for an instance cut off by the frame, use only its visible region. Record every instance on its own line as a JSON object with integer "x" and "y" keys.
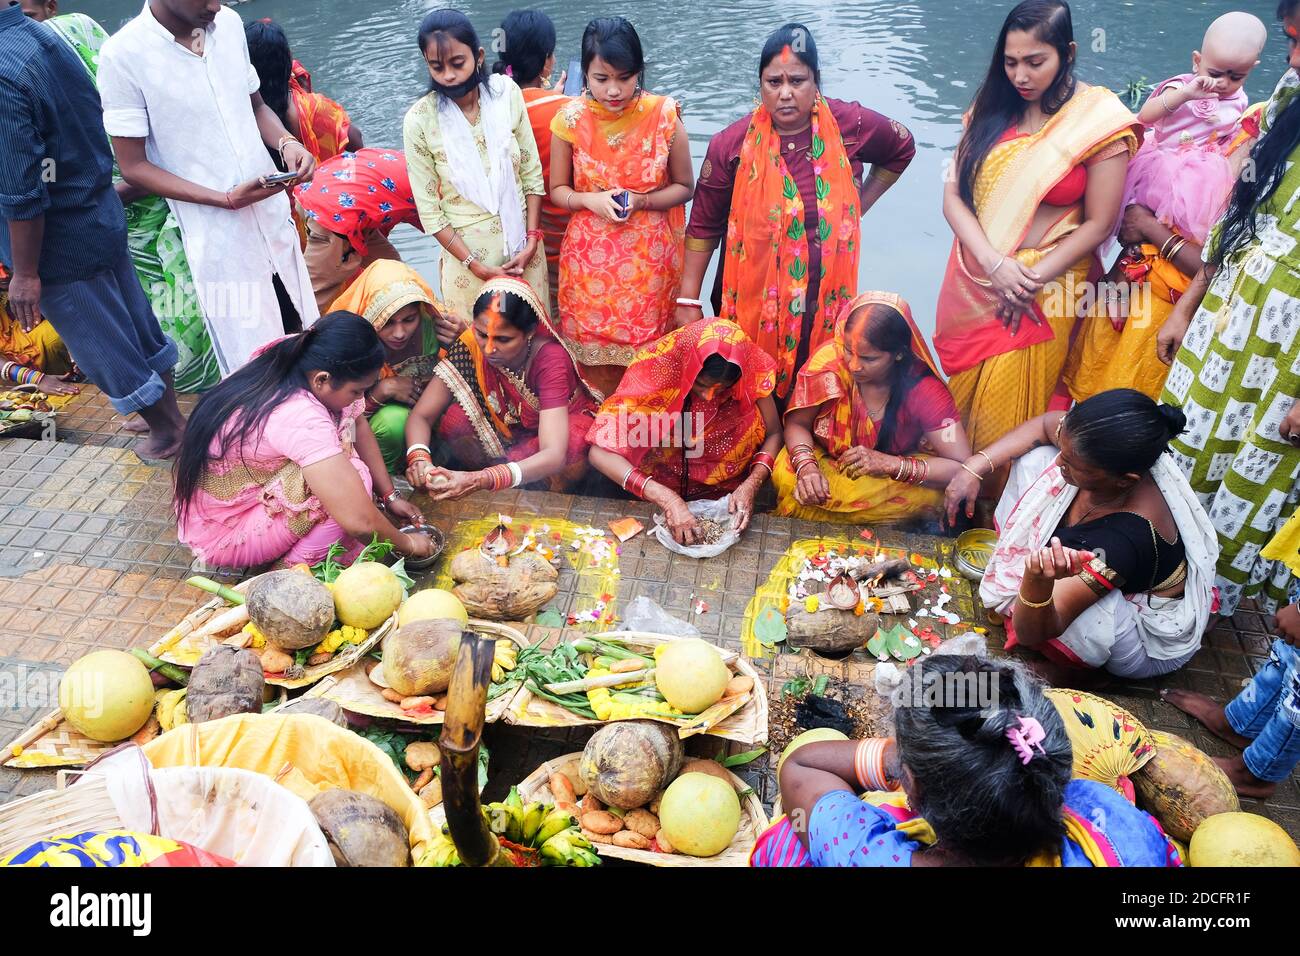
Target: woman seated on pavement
{"x": 692, "y": 418}
{"x": 278, "y": 463}
{"x": 1105, "y": 557}
{"x": 977, "y": 775}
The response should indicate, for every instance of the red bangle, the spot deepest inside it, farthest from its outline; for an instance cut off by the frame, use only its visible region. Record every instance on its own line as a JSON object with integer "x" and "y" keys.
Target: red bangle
{"x": 534, "y": 234}
{"x": 766, "y": 460}
{"x": 636, "y": 482}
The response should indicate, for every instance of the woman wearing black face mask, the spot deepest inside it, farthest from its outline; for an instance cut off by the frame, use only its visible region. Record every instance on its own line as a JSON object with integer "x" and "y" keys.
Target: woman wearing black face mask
{"x": 475, "y": 171}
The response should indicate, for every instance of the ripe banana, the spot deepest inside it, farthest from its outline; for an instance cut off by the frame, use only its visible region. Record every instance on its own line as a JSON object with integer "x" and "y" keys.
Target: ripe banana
{"x": 556, "y": 821}
{"x": 498, "y": 673}
{"x": 506, "y": 655}
{"x": 170, "y": 706}
{"x": 534, "y": 813}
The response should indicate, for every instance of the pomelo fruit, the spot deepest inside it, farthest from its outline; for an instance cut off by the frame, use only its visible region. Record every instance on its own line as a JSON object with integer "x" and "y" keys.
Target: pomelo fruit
{"x": 700, "y": 814}
{"x": 107, "y": 695}
{"x": 690, "y": 674}
{"x": 366, "y": 594}
{"x": 431, "y": 604}
{"x": 1241, "y": 839}
{"x": 808, "y": 737}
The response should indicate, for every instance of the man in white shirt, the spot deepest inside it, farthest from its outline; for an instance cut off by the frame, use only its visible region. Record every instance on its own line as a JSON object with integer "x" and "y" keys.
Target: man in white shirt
{"x": 181, "y": 104}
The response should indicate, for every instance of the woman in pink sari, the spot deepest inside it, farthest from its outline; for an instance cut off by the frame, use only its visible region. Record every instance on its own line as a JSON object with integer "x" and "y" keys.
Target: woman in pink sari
{"x": 278, "y": 463}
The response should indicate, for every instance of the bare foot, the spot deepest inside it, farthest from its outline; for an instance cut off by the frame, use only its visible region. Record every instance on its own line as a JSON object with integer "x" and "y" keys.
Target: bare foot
{"x": 158, "y": 449}
{"x": 1245, "y": 782}
{"x": 135, "y": 425}
{"x": 1208, "y": 712}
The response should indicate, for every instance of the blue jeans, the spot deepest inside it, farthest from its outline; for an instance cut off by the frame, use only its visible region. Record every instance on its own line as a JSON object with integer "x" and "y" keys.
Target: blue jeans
{"x": 1268, "y": 712}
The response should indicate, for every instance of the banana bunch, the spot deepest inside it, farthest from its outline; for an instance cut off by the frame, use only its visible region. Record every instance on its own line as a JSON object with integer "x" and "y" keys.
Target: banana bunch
{"x": 170, "y": 708}
{"x": 543, "y": 827}
{"x": 504, "y": 660}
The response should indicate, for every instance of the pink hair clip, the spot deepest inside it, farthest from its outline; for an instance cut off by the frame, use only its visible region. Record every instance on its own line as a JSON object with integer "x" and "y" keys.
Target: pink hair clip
{"x": 510, "y": 72}
{"x": 1024, "y": 738}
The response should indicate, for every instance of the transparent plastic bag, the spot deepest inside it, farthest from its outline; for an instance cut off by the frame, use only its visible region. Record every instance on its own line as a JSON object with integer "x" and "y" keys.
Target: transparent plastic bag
{"x": 713, "y": 510}
{"x": 644, "y": 614}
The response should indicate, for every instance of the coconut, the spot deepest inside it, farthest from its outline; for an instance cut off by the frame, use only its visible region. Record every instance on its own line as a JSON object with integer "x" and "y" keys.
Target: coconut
{"x": 318, "y": 706}
{"x": 431, "y": 604}
{"x": 700, "y": 814}
{"x": 813, "y": 736}
{"x": 626, "y": 763}
{"x": 292, "y": 610}
{"x": 226, "y": 680}
{"x": 366, "y": 594}
{"x": 1180, "y": 786}
{"x": 107, "y": 695}
{"x": 510, "y": 593}
{"x": 1242, "y": 839}
{"x": 418, "y": 658}
{"x": 362, "y": 830}
{"x": 691, "y": 675}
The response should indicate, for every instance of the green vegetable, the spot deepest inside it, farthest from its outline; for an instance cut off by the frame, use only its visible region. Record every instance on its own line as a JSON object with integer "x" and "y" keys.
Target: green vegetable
{"x": 300, "y": 656}
{"x": 328, "y": 570}
{"x": 796, "y": 687}
{"x": 737, "y": 760}
{"x": 820, "y": 685}
{"x": 587, "y": 645}
{"x": 212, "y": 587}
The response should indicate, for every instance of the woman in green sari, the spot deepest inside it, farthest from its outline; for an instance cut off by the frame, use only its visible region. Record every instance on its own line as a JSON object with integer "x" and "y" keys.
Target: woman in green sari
{"x": 153, "y": 234}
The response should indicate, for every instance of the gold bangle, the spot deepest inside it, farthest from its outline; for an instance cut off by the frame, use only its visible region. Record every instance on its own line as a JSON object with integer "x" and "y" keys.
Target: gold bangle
{"x": 972, "y": 472}
{"x": 1025, "y": 602}
{"x": 992, "y": 466}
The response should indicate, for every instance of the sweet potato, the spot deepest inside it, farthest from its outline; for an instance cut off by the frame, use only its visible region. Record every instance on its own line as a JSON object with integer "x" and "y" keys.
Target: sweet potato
{"x": 632, "y": 840}
{"x": 740, "y": 684}
{"x": 595, "y": 837}
{"x": 422, "y": 755}
{"x": 562, "y": 789}
{"x": 440, "y": 702}
{"x": 599, "y": 821}
{"x": 391, "y": 695}
{"x": 275, "y": 661}
{"x": 148, "y": 732}
{"x": 423, "y": 780}
{"x": 642, "y": 821}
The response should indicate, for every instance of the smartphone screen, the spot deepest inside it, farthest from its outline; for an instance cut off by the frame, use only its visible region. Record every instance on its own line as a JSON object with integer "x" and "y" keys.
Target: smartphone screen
{"x": 573, "y": 82}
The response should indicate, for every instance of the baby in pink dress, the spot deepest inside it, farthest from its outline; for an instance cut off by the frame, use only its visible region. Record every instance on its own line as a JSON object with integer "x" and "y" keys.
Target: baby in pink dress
{"x": 1182, "y": 172}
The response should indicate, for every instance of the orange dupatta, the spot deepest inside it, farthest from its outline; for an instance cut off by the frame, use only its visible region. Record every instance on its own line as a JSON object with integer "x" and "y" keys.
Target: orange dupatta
{"x": 655, "y": 388}
{"x": 323, "y": 125}
{"x": 825, "y": 381}
{"x": 1012, "y": 181}
{"x": 765, "y": 267}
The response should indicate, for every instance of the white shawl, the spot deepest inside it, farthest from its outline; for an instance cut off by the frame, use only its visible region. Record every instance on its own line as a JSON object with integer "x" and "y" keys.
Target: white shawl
{"x": 1032, "y": 508}
{"x": 495, "y": 190}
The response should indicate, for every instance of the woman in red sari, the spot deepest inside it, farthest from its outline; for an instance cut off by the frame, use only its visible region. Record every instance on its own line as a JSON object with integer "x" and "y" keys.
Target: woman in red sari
{"x": 619, "y": 267}
{"x": 872, "y": 433}
{"x": 784, "y": 190}
{"x": 693, "y": 418}
{"x": 528, "y": 57}
{"x": 321, "y": 125}
{"x": 507, "y": 402}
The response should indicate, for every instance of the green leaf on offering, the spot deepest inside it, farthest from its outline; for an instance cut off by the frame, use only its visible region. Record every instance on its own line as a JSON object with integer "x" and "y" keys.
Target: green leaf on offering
{"x": 769, "y": 627}
{"x": 878, "y": 646}
{"x": 903, "y": 644}
{"x": 738, "y": 760}
{"x": 550, "y": 618}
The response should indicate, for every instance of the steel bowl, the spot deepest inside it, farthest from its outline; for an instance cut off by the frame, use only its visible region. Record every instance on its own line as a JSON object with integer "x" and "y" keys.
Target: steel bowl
{"x": 973, "y": 550}
{"x": 420, "y": 565}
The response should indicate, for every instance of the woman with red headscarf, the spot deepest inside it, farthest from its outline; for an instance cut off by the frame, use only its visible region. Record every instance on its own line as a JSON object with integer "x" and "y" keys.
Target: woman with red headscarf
{"x": 693, "y": 418}
{"x": 872, "y": 433}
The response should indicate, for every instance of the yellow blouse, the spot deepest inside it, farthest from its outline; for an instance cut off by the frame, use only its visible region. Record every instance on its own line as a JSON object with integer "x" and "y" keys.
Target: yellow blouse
{"x": 439, "y": 202}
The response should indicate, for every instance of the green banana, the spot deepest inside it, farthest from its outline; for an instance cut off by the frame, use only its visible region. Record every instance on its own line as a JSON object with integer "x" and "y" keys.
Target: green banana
{"x": 557, "y": 851}
{"x": 515, "y": 819}
{"x": 534, "y": 814}
{"x": 585, "y": 858}
{"x": 556, "y": 821}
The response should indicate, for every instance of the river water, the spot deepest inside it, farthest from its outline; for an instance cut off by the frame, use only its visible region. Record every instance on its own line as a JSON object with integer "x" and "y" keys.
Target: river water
{"x": 918, "y": 61}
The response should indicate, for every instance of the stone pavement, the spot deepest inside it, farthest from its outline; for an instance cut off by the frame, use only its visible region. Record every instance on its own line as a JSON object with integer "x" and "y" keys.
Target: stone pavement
{"x": 89, "y": 559}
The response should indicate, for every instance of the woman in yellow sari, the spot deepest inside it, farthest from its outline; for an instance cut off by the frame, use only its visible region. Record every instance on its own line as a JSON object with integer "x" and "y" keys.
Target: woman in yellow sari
{"x": 862, "y": 407}
{"x": 1039, "y": 180}
{"x": 413, "y": 325}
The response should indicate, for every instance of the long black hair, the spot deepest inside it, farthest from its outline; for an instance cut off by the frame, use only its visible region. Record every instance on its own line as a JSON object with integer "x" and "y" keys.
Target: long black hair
{"x": 888, "y": 331}
{"x": 799, "y": 39}
{"x": 974, "y": 788}
{"x": 268, "y": 49}
{"x": 1122, "y": 430}
{"x": 342, "y": 343}
{"x": 615, "y": 41}
{"x": 529, "y": 41}
{"x": 1270, "y": 158}
{"x": 440, "y": 26}
{"x": 997, "y": 105}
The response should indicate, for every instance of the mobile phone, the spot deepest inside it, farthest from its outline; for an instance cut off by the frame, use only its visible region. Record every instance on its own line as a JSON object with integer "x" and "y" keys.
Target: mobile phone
{"x": 279, "y": 179}
{"x": 573, "y": 81}
{"x": 624, "y": 202}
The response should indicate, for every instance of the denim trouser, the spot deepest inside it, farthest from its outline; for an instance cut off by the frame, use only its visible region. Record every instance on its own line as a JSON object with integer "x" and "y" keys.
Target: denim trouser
{"x": 1268, "y": 712}
{"x": 111, "y": 331}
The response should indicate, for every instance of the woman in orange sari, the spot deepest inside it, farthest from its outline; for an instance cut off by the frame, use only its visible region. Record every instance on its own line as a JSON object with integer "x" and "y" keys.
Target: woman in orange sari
{"x": 693, "y": 418}
{"x": 507, "y": 403}
{"x": 620, "y": 161}
{"x": 1039, "y": 180}
{"x": 528, "y": 57}
{"x": 863, "y": 407}
{"x": 321, "y": 125}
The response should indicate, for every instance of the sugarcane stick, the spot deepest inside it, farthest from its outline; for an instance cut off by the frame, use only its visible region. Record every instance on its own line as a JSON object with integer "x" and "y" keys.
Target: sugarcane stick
{"x": 462, "y": 729}
{"x": 604, "y": 680}
{"x": 178, "y": 674}
{"x": 226, "y": 594}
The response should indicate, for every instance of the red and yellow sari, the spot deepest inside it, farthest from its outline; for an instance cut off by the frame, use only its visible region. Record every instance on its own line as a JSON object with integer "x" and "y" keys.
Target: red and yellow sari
{"x": 494, "y": 416}
{"x": 323, "y": 125}
{"x": 1001, "y": 381}
{"x": 619, "y": 282}
{"x": 843, "y": 422}
{"x": 643, "y": 420}
{"x": 765, "y": 264}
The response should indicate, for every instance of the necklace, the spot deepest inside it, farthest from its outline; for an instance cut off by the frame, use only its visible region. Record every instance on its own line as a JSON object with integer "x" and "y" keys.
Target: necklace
{"x": 1099, "y": 505}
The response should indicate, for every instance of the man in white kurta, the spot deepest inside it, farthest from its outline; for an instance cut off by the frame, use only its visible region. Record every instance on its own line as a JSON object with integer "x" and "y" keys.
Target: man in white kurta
{"x": 195, "y": 113}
